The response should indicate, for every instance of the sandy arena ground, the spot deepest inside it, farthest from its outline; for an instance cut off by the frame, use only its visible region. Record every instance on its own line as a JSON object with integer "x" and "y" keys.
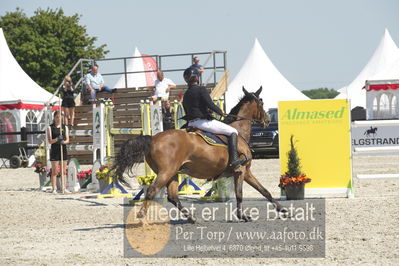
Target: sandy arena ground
{"x": 41, "y": 228}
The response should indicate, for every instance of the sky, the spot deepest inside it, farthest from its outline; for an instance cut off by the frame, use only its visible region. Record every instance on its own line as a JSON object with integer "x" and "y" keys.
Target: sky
{"x": 313, "y": 43}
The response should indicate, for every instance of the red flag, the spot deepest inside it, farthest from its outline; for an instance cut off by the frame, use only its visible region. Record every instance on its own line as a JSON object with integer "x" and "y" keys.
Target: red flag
{"x": 150, "y": 64}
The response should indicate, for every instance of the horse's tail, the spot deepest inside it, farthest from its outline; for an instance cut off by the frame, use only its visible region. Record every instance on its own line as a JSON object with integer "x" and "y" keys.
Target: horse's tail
{"x": 131, "y": 153}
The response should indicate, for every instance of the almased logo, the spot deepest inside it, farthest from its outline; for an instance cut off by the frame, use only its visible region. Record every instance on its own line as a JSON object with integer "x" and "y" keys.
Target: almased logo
{"x": 295, "y": 114}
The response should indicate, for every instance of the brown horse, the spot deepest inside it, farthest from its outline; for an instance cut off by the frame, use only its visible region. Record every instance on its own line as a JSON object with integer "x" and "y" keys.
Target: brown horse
{"x": 176, "y": 151}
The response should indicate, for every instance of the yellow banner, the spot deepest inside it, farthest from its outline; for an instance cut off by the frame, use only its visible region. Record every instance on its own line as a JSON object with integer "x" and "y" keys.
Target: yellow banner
{"x": 321, "y": 130}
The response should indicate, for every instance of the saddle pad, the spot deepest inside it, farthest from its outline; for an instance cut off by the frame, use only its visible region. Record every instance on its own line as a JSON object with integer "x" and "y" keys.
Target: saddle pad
{"x": 211, "y": 139}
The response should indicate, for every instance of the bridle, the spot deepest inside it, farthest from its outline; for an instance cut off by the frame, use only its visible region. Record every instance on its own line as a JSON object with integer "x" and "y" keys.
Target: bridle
{"x": 253, "y": 120}
{"x": 240, "y": 118}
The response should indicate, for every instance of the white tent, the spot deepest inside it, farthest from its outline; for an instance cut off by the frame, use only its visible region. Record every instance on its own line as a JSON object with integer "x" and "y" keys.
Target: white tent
{"x": 390, "y": 72}
{"x": 138, "y": 64}
{"x": 342, "y": 90}
{"x": 385, "y": 54}
{"x": 16, "y": 87}
{"x": 258, "y": 70}
{"x": 383, "y": 93}
{"x": 21, "y": 99}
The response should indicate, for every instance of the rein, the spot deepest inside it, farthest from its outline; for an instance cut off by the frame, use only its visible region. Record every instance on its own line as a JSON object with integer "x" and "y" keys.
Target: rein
{"x": 244, "y": 118}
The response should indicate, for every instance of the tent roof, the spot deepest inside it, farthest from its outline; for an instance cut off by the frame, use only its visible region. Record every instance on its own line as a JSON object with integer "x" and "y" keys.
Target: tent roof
{"x": 15, "y": 85}
{"x": 390, "y": 72}
{"x": 258, "y": 70}
{"x": 386, "y": 79}
{"x": 385, "y": 54}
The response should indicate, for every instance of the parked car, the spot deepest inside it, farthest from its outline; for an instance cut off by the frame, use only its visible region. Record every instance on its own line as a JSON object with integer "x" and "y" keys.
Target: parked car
{"x": 264, "y": 141}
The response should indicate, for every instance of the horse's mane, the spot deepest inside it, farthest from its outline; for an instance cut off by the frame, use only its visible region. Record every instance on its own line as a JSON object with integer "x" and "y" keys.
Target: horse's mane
{"x": 245, "y": 99}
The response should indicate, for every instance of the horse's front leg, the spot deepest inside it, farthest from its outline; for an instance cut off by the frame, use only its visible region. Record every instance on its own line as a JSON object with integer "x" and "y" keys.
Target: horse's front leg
{"x": 251, "y": 180}
{"x": 238, "y": 182}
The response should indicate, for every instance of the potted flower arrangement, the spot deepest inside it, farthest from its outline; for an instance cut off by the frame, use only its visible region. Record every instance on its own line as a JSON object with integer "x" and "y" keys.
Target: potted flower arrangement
{"x": 58, "y": 176}
{"x": 222, "y": 190}
{"x": 293, "y": 181}
{"x": 104, "y": 176}
{"x": 84, "y": 177}
{"x": 146, "y": 180}
{"x": 41, "y": 169}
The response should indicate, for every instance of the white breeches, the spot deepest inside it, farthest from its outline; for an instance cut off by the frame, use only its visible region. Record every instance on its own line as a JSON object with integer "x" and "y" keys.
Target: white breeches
{"x": 213, "y": 126}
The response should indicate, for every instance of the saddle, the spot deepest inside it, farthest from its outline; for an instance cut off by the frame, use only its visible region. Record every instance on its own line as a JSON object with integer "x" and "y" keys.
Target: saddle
{"x": 210, "y": 138}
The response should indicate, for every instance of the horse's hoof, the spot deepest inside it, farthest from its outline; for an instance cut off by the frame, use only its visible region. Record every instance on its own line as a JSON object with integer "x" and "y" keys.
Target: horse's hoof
{"x": 140, "y": 215}
{"x": 191, "y": 220}
{"x": 246, "y": 218}
{"x": 284, "y": 213}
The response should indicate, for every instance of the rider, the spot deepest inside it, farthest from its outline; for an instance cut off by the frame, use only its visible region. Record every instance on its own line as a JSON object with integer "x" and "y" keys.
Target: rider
{"x": 196, "y": 103}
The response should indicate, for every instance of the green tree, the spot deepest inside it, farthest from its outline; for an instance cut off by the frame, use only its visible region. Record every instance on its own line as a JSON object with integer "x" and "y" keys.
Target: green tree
{"x": 48, "y": 44}
{"x": 321, "y": 93}
{"x": 293, "y": 163}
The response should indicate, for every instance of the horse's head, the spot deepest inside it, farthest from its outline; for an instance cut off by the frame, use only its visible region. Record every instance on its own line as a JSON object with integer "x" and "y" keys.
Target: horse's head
{"x": 256, "y": 105}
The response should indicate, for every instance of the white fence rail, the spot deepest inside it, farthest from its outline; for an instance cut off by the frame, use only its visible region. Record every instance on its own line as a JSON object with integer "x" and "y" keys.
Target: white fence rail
{"x": 373, "y": 125}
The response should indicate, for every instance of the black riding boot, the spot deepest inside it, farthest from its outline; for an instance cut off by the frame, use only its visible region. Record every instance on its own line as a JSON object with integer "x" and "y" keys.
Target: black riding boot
{"x": 233, "y": 155}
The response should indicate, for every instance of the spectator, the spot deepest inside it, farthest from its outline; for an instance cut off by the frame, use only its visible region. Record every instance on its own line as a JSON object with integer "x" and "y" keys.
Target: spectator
{"x": 196, "y": 67}
{"x": 68, "y": 101}
{"x": 162, "y": 88}
{"x": 95, "y": 83}
{"x": 57, "y": 137}
{"x": 167, "y": 116}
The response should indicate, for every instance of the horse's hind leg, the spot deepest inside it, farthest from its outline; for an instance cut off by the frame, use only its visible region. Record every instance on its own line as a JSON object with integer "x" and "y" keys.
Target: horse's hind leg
{"x": 173, "y": 197}
{"x": 163, "y": 178}
{"x": 251, "y": 179}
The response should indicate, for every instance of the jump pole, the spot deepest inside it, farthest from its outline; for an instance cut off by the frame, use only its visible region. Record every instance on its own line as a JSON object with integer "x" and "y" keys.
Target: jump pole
{"x": 147, "y": 131}
{"x": 114, "y": 189}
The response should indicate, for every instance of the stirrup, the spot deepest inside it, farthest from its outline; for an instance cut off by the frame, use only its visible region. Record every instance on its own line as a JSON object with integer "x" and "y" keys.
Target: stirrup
{"x": 237, "y": 163}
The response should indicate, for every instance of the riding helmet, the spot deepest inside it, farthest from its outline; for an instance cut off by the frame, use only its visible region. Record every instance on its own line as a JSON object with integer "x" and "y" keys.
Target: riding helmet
{"x": 190, "y": 75}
